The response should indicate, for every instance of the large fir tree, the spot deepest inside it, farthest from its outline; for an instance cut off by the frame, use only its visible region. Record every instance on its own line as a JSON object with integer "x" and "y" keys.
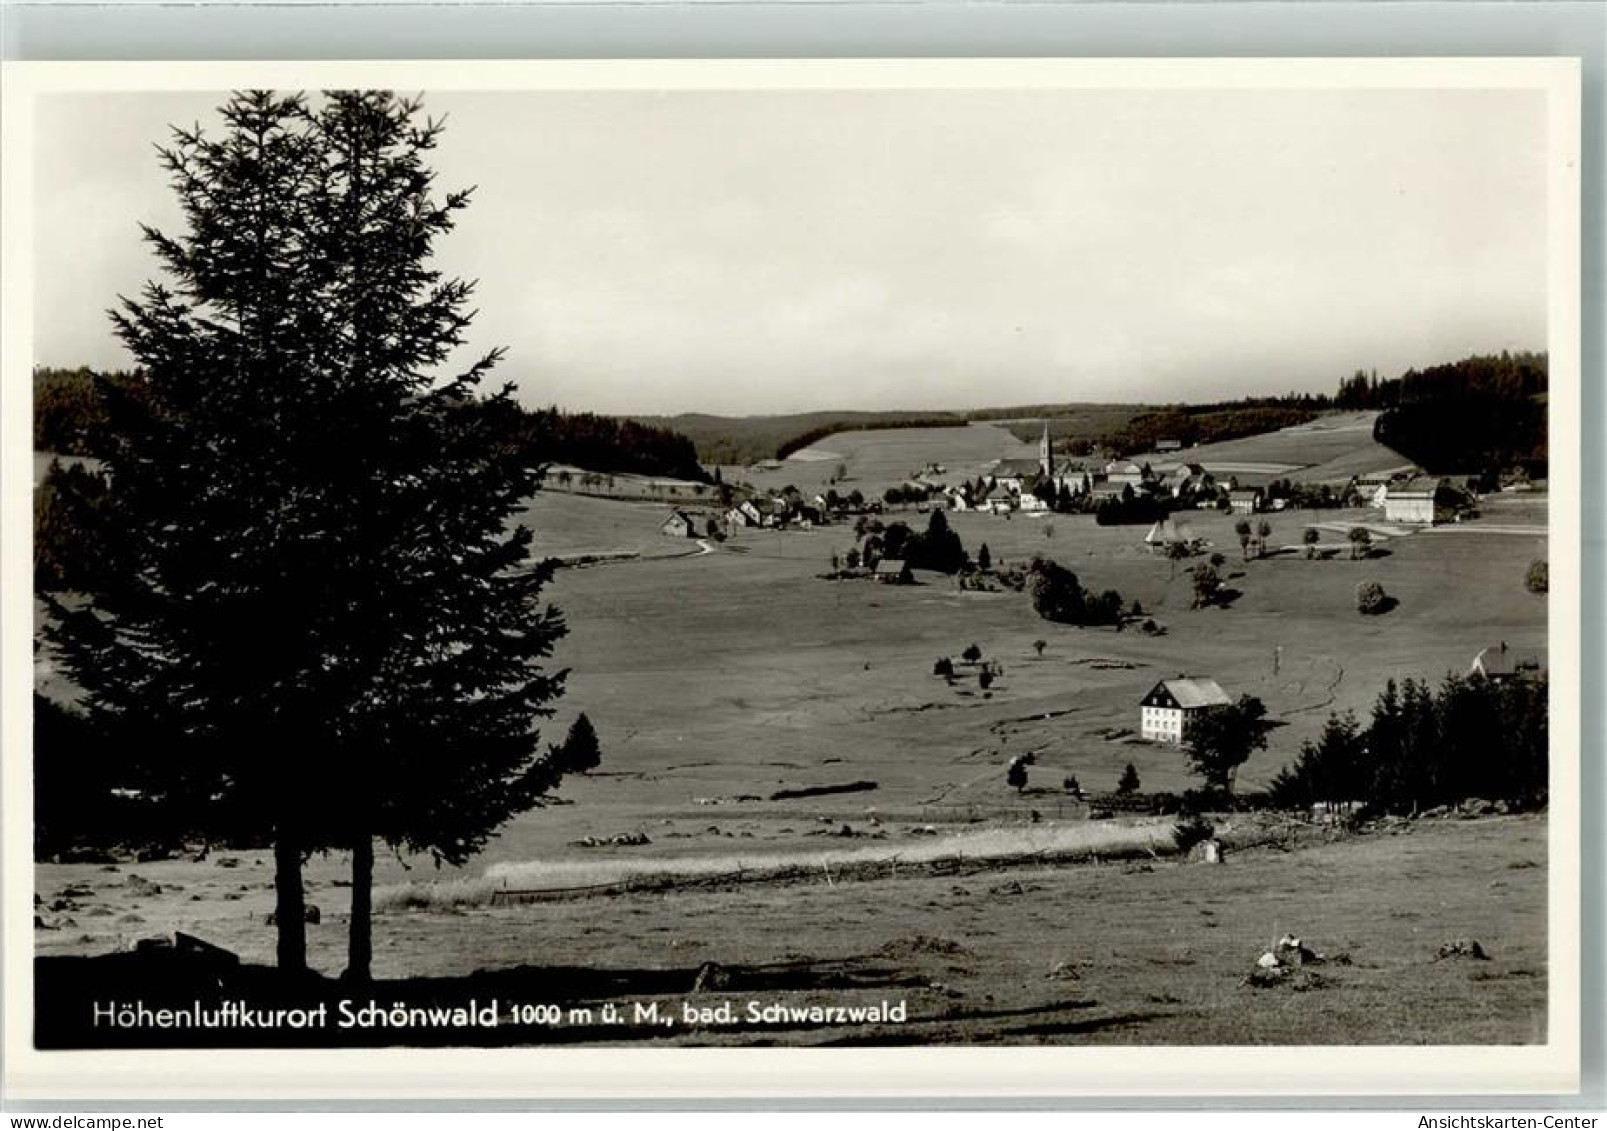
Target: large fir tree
{"x": 330, "y": 627}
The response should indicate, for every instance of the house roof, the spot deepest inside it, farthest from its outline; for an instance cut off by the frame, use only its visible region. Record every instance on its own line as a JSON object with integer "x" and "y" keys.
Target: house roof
{"x": 1122, "y": 467}
{"x": 1499, "y": 659}
{"x": 1422, "y": 487}
{"x": 1191, "y": 693}
{"x": 1017, "y": 467}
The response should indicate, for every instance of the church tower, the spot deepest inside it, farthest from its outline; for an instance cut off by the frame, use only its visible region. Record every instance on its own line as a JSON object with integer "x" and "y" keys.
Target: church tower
{"x": 1046, "y": 458}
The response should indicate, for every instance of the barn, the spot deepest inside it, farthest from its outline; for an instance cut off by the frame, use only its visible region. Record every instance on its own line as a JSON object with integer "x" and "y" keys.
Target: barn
{"x": 1165, "y": 713}
{"x": 894, "y": 571}
{"x": 1422, "y": 501}
{"x": 678, "y": 525}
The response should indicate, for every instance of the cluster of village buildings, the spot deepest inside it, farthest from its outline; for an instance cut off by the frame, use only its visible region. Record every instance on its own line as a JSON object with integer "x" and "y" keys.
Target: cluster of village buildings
{"x": 1046, "y": 483}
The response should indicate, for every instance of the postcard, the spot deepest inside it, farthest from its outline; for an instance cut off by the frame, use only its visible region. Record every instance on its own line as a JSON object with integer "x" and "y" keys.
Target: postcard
{"x": 781, "y": 579}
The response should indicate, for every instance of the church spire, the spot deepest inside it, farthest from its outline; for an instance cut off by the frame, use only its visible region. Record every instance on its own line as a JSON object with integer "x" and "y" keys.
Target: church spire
{"x": 1046, "y": 458}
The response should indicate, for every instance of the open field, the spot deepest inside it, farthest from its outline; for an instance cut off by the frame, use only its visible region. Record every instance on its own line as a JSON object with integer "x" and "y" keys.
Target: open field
{"x": 1139, "y": 952}
{"x": 719, "y": 679}
{"x": 1330, "y": 449}
{"x": 876, "y": 460}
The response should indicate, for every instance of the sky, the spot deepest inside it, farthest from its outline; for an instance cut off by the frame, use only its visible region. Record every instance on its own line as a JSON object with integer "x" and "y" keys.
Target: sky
{"x": 791, "y": 250}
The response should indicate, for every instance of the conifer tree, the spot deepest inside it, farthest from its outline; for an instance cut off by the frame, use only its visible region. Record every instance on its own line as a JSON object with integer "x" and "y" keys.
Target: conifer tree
{"x": 328, "y": 625}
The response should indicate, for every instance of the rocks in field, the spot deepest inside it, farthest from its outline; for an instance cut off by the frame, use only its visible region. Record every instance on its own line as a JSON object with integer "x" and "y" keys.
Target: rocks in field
{"x": 1462, "y": 948}
{"x": 140, "y": 886}
{"x": 1286, "y": 964}
{"x": 619, "y": 840}
{"x": 309, "y": 914}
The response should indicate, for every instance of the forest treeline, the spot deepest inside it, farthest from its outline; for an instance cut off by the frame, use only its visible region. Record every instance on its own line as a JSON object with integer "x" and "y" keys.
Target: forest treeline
{"x": 1483, "y": 414}
{"x": 1424, "y": 746}
{"x": 71, "y": 418}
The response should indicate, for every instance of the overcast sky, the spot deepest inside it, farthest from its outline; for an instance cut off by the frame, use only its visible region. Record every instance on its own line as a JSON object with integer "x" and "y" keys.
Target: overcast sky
{"x": 776, "y": 251}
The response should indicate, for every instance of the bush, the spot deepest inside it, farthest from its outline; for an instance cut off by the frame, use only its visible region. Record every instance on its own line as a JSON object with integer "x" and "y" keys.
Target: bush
{"x": 1538, "y": 579}
{"x": 944, "y": 667}
{"x": 1016, "y": 775}
{"x": 1371, "y": 598}
{"x": 972, "y": 654}
{"x": 1190, "y": 831}
{"x": 1129, "y": 783}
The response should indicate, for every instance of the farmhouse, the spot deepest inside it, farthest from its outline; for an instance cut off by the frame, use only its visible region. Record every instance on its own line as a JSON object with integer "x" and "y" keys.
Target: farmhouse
{"x": 893, "y": 571}
{"x": 1499, "y": 663}
{"x": 1165, "y": 713}
{"x": 1424, "y": 501}
{"x": 1000, "y": 500}
{"x": 1188, "y": 479}
{"x": 1013, "y": 474}
{"x": 1124, "y": 471}
{"x": 678, "y": 525}
{"x": 1245, "y": 500}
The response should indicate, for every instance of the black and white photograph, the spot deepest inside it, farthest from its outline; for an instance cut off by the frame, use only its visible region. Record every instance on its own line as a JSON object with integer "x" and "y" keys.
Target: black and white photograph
{"x": 895, "y": 557}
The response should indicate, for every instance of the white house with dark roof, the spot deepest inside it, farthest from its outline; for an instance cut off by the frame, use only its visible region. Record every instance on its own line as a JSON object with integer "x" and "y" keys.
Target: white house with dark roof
{"x": 1124, "y": 471}
{"x": 678, "y": 525}
{"x": 1165, "y": 713}
{"x": 1499, "y": 663}
{"x": 1422, "y": 501}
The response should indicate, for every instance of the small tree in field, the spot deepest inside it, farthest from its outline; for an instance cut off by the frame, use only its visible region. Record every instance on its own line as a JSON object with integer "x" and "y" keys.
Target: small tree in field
{"x": 1038, "y": 646}
{"x": 580, "y": 753}
{"x": 984, "y": 559}
{"x": 944, "y": 667}
{"x": 1538, "y": 579}
{"x": 1360, "y": 542}
{"x": 1370, "y": 598}
{"x": 1242, "y": 529}
{"x": 328, "y": 627}
{"x": 1263, "y": 531}
{"x": 1016, "y": 775}
{"x": 972, "y": 653}
{"x": 1128, "y": 784}
{"x": 1207, "y": 583}
{"x": 1311, "y": 537}
{"x": 1221, "y": 739}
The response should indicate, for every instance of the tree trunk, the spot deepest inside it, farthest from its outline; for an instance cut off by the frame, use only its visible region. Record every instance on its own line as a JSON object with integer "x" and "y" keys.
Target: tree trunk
{"x": 360, "y": 939}
{"x": 290, "y": 908}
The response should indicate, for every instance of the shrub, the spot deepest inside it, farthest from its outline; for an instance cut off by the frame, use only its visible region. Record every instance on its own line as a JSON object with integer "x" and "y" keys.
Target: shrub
{"x": 1129, "y": 783}
{"x": 1538, "y": 579}
{"x": 972, "y": 654}
{"x": 1190, "y": 831}
{"x": 1371, "y": 598}
{"x": 944, "y": 667}
{"x": 1072, "y": 786}
{"x": 1016, "y": 775}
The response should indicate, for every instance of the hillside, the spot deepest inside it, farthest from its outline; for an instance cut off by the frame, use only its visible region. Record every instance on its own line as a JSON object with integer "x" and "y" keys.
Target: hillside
{"x": 1329, "y": 449}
